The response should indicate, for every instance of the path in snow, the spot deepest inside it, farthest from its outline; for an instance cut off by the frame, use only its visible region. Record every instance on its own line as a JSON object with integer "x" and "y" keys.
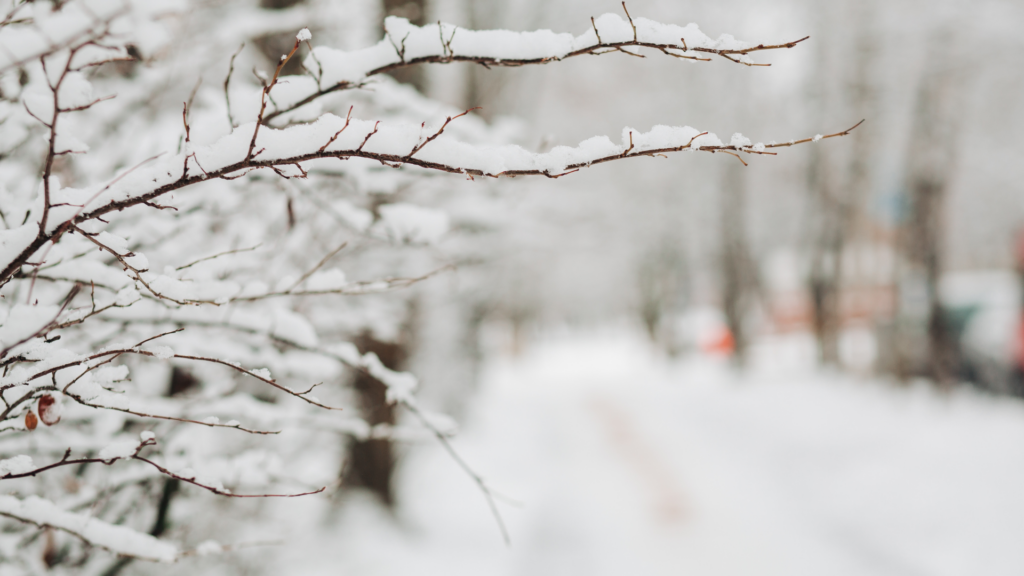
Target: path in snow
{"x": 625, "y": 464}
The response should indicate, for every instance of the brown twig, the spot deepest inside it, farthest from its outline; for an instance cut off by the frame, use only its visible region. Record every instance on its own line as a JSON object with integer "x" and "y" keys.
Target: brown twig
{"x": 630, "y": 20}
{"x": 266, "y": 93}
{"x": 447, "y": 121}
{"x": 227, "y": 82}
{"x": 319, "y": 265}
{"x": 368, "y": 136}
{"x": 348, "y": 118}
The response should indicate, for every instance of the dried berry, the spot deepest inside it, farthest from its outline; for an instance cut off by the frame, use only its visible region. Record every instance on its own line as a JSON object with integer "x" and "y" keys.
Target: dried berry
{"x": 49, "y": 410}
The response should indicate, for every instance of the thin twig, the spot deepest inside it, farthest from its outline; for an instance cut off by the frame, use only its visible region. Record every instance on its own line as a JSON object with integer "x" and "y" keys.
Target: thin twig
{"x": 227, "y": 82}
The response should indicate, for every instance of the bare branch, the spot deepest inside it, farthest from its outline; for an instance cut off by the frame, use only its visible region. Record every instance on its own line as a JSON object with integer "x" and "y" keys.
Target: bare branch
{"x": 204, "y": 259}
{"x": 436, "y": 134}
{"x": 489, "y": 495}
{"x": 227, "y": 82}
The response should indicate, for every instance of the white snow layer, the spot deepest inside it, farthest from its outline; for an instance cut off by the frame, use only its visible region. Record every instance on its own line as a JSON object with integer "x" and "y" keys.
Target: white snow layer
{"x": 118, "y": 539}
{"x": 23, "y": 321}
{"x": 14, "y": 241}
{"x": 130, "y": 22}
{"x": 16, "y": 465}
{"x": 390, "y": 140}
{"x": 120, "y": 449}
{"x": 404, "y": 42}
{"x": 413, "y": 224}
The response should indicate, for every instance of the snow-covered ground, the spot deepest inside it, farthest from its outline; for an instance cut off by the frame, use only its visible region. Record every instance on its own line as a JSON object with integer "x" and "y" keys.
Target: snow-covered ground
{"x": 621, "y": 462}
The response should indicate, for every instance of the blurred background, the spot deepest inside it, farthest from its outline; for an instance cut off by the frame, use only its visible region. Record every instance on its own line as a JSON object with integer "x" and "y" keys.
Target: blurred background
{"x": 809, "y": 365}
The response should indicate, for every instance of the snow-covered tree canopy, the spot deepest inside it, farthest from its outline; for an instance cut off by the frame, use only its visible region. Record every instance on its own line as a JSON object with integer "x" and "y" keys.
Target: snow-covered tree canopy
{"x": 145, "y": 241}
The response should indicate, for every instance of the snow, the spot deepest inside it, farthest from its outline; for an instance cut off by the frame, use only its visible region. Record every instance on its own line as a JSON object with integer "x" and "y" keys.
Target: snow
{"x": 293, "y": 327}
{"x": 262, "y": 373}
{"x": 740, "y": 141}
{"x": 391, "y": 139}
{"x": 400, "y": 385}
{"x": 408, "y": 223}
{"x": 127, "y": 296}
{"x": 210, "y": 547}
{"x": 406, "y": 41}
{"x": 147, "y": 436}
{"x": 82, "y": 20}
{"x": 23, "y": 321}
{"x": 109, "y": 374}
{"x": 304, "y": 35}
{"x": 115, "y": 243}
{"x": 162, "y": 352}
{"x": 325, "y": 280}
{"x": 14, "y": 241}
{"x": 120, "y": 449}
{"x": 118, "y": 539}
{"x": 75, "y": 91}
{"x": 622, "y": 462}
{"x": 39, "y": 104}
{"x": 16, "y": 465}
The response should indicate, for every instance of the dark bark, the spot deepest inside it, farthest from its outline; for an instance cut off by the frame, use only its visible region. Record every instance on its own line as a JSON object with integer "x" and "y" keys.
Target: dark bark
{"x": 931, "y": 163}
{"x": 827, "y": 243}
{"x": 925, "y": 249}
{"x": 739, "y": 273}
{"x": 370, "y": 463}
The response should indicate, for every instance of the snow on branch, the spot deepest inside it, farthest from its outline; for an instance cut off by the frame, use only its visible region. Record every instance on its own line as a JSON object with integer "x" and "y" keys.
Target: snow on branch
{"x": 399, "y": 387}
{"x": 395, "y": 145}
{"x": 32, "y": 30}
{"x": 130, "y": 450}
{"x": 118, "y": 539}
{"x": 405, "y": 44}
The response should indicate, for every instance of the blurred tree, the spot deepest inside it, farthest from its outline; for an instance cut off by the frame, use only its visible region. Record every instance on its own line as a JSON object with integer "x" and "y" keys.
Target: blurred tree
{"x": 931, "y": 164}
{"x": 839, "y": 182}
{"x": 739, "y": 272}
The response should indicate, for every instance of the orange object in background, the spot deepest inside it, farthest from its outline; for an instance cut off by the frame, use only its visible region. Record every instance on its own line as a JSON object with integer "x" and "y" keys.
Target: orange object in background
{"x": 719, "y": 343}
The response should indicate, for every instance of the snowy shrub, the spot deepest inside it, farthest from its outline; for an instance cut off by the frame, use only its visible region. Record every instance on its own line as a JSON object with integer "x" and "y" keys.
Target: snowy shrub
{"x": 178, "y": 277}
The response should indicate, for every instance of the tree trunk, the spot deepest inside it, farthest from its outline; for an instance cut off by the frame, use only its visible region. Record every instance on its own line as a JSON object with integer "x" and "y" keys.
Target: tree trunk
{"x": 931, "y": 160}
{"x": 739, "y": 274}
{"x": 827, "y": 243}
{"x": 370, "y": 463}
{"x": 839, "y": 187}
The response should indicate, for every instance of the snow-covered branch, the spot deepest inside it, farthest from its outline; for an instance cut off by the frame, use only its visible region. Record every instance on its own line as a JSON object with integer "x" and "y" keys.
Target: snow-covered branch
{"x": 405, "y": 44}
{"x": 118, "y": 539}
{"x": 392, "y": 145}
{"x": 260, "y": 196}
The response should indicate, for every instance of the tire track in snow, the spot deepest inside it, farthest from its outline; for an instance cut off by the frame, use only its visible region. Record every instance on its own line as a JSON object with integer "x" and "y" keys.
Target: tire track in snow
{"x": 669, "y": 504}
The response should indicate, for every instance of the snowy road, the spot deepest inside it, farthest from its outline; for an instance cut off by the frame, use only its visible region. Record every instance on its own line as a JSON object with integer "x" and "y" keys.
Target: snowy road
{"x": 628, "y": 465}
